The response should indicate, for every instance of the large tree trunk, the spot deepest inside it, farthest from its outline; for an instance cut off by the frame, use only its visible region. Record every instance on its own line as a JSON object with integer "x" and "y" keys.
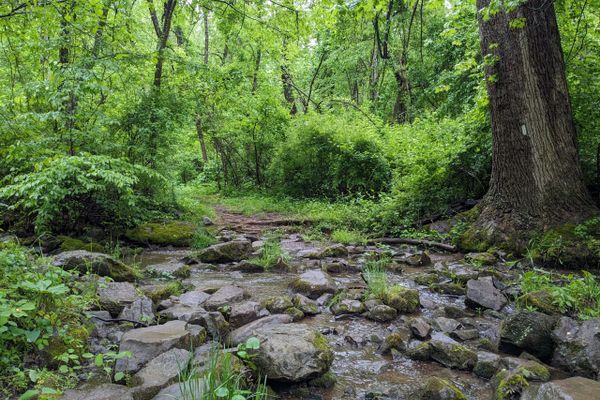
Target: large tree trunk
{"x": 536, "y": 180}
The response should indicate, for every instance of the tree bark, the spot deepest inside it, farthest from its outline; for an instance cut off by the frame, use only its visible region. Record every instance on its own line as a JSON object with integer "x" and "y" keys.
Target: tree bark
{"x": 163, "y": 35}
{"x": 536, "y": 180}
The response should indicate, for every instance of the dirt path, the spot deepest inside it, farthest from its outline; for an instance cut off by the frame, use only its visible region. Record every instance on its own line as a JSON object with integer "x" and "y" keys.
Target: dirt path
{"x": 254, "y": 224}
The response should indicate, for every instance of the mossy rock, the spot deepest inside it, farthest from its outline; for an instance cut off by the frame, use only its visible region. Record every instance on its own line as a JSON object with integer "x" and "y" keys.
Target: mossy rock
{"x": 277, "y": 304}
{"x": 509, "y": 385}
{"x": 540, "y": 300}
{"x": 320, "y": 342}
{"x": 162, "y": 291}
{"x": 421, "y": 352}
{"x": 397, "y": 341}
{"x": 295, "y": 313}
{"x": 325, "y": 381}
{"x": 438, "y": 389}
{"x": 98, "y": 263}
{"x": 69, "y": 243}
{"x": 172, "y": 233}
{"x": 403, "y": 299}
{"x": 563, "y": 247}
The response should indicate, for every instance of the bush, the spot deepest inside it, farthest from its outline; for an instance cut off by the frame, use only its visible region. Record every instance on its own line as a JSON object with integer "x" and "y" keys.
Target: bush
{"x": 64, "y": 193}
{"x": 40, "y": 313}
{"x": 329, "y": 156}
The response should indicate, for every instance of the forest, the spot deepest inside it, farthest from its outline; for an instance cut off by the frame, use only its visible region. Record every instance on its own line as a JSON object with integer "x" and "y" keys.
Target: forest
{"x": 299, "y": 199}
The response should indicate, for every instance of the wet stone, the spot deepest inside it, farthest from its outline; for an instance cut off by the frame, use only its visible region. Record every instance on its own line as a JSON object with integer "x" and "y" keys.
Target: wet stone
{"x": 420, "y": 328}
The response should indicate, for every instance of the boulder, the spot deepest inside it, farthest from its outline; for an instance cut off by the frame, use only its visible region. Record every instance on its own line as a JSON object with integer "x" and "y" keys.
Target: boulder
{"x": 446, "y": 325}
{"x": 183, "y": 312}
{"x": 481, "y": 293}
{"x": 159, "y": 373}
{"x": 436, "y": 388}
{"x": 540, "y": 300}
{"x": 161, "y": 291}
{"x": 70, "y": 244}
{"x": 575, "y": 388}
{"x": 453, "y": 355}
{"x": 98, "y": 263}
{"x": 335, "y": 250}
{"x": 115, "y": 296}
{"x": 348, "y": 306}
{"x": 235, "y": 250}
{"x": 105, "y": 391}
{"x": 397, "y": 340}
{"x": 481, "y": 259}
{"x": 193, "y": 298}
{"x": 578, "y": 346}
{"x": 141, "y": 310}
{"x": 227, "y": 295}
{"x": 420, "y": 328}
{"x": 295, "y": 313}
{"x": 147, "y": 343}
{"x": 248, "y": 267}
{"x": 241, "y": 334}
{"x": 404, "y": 300}
{"x": 306, "y": 305}
{"x": 313, "y": 284}
{"x": 171, "y": 233}
{"x": 487, "y": 365}
{"x": 246, "y": 312}
{"x": 382, "y": 313}
{"x": 292, "y": 353}
{"x": 530, "y": 331}
{"x": 278, "y": 304}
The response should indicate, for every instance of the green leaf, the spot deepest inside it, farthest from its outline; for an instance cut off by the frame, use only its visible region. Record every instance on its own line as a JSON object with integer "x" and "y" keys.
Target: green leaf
{"x": 99, "y": 360}
{"x": 63, "y": 369}
{"x": 222, "y": 392}
{"x": 253, "y": 343}
{"x": 30, "y": 394}
{"x": 32, "y": 336}
{"x": 119, "y": 376}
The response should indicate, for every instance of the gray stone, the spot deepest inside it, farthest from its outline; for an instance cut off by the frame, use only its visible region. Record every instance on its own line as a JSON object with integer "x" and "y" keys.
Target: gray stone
{"x": 193, "y": 298}
{"x": 241, "y": 334}
{"x": 97, "y": 263}
{"x": 246, "y": 312}
{"x": 313, "y": 284}
{"x": 446, "y": 325}
{"x": 578, "y": 346}
{"x": 453, "y": 355}
{"x": 487, "y": 365}
{"x": 481, "y": 293}
{"x": 347, "y": 306}
{"x": 177, "y": 269}
{"x": 224, "y": 296}
{"x": 382, "y": 313}
{"x": 159, "y": 373}
{"x": 147, "y": 343}
{"x": 292, "y": 353}
{"x": 141, "y": 310}
{"x": 105, "y": 391}
{"x": 278, "y": 304}
{"x": 420, "y": 328}
{"x": 530, "y": 331}
{"x": 576, "y": 388}
{"x": 114, "y": 296}
{"x": 234, "y": 250}
{"x": 306, "y": 305}
{"x": 436, "y": 388}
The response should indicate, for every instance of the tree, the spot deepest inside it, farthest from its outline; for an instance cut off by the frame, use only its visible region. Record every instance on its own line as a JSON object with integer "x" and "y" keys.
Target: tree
{"x": 536, "y": 180}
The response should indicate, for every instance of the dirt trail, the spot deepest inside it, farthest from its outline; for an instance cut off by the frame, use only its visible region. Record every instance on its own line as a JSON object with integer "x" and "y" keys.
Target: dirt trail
{"x": 254, "y": 224}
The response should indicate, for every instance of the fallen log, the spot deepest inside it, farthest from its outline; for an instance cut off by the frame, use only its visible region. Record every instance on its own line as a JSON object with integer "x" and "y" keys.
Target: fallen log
{"x": 415, "y": 242}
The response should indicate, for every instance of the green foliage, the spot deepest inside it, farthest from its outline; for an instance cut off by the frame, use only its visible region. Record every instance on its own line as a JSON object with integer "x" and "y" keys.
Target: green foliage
{"x": 346, "y": 236}
{"x": 577, "y": 295}
{"x": 271, "y": 254}
{"x": 330, "y": 156}
{"x": 64, "y": 193}
{"x": 40, "y": 310}
{"x": 376, "y": 277}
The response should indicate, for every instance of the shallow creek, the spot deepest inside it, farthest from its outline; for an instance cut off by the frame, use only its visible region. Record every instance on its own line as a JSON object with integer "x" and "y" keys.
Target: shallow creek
{"x": 358, "y": 366}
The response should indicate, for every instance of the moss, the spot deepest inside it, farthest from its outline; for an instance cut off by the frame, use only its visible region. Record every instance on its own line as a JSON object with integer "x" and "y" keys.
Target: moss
{"x": 420, "y": 352}
{"x": 486, "y": 344}
{"x": 435, "y": 388}
{"x": 509, "y": 384}
{"x": 540, "y": 300}
{"x": 533, "y": 370}
{"x": 160, "y": 292}
{"x": 295, "y": 313}
{"x": 325, "y": 381}
{"x": 277, "y": 304}
{"x": 320, "y": 342}
{"x": 173, "y": 233}
{"x": 402, "y": 299}
{"x": 426, "y": 279}
{"x": 396, "y": 341}
{"x": 69, "y": 244}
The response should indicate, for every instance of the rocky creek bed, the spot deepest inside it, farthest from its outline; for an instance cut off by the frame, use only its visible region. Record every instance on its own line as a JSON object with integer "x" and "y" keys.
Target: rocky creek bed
{"x": 451, "y": 331}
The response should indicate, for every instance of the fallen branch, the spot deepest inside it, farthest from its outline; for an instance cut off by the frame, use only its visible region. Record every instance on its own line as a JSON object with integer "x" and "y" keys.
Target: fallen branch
{"x": 116, "y": 320}
{"x": 415, "y": 242}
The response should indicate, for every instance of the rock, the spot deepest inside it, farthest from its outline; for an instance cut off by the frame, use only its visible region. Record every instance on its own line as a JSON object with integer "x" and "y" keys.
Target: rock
{"x": 246, "y": 312}
{"x": 446, "y": 325}
{"x": 241, "y": 334}
{"x": 70, "y": 244}
{"x": 235, "y": 250}
{"x": 147, "y": 343}
{"x": 347, "y": 306}
{"x": 481, "y": 259}
{"x": 487, "y": 365}
{"x": 508, "y": 384}
{"x": 159, "y": 373}
{"x": 105, "y": 391}
{"x": 539, "y": 300}
{"x": 325, "y": 381}
{"x": 313, "y": 284}
{"x": 141, "y": 310}
{"x": 421, "y": 352}
{"x": 453, "y": 355}
{"x": 224, "y": 296}
{"x": 161, "y": 291}
{"x": 426, "y": 279}
{"x": 172, "y": 233}
{"x": 278, "y": 304}
{"x": 402, "y": 299}
{"x": 335, "y": 250}
{"x": 576, "y": 388}
{"x": 176, "y": 269}
{"x": 397, "y": 340}
{"x": 418, "y": 259}
{"x": 339, "y": 267}
{"x": 194, "y": 298}
{"x": 530, "y": 331}
{"x": 324, "y": 299}
{"x": 114, "y": 296}
{"x": 98, "y": 263}
{"x": 306, "y": 305}
{"x": 465, "y": 334}
{"x": 420, "y": 328}
{"x": 455, "y": 312}
{"x": 214, "y": 322}
{"x": 183, "y": 312}
{"x": 481, "y": 293}
{"x": 382, "y": 313}
{"x": 578, "y": 346}
{"x": 529, "y": 369}
{"x": 207, "y": 221}
{"x": 295, "y": 313}
{"x": 248, "y": 267}
{"x": 292, "y": 353}
{"x": 174, "y": 391}
{"x": 450, "y": 288}
{"x": 436, "y": 388}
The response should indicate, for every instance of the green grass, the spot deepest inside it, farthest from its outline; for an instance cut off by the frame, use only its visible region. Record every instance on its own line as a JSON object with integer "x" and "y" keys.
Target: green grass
{"x": 576, "y": 295}
{"x": 376, "y": 277}
{"x": 202, "y": 239}
{"x": 271, "y": 253}
{"x": 346, "y": 236}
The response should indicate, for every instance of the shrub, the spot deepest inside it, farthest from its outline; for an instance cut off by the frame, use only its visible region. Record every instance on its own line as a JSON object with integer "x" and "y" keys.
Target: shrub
{"x": 65, "y": 193}
{"x": 329, "y": 156}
